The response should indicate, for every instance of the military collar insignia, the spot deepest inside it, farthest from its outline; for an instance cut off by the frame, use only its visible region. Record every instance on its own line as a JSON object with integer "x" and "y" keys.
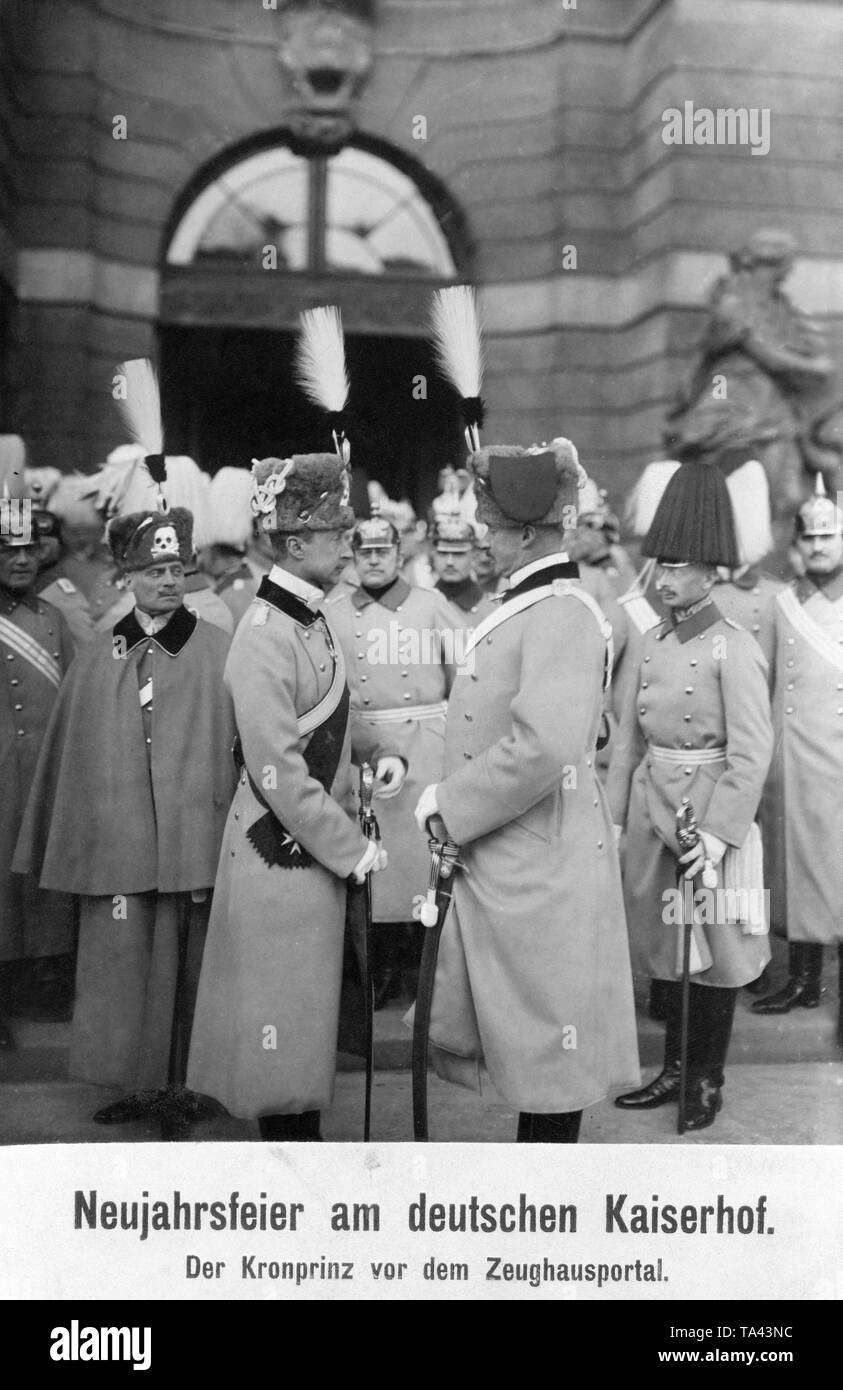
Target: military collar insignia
{"x": 12, "y": 601}
{"x": 466, "y": 593}
{"x": 286, "y": 602}
{"x": 558, "y": 569}
{"x": 392, "y": 597}
{"x": 692, "y": 626}
{"x": 832, "y": 590}
{"x": 170, "y": 639}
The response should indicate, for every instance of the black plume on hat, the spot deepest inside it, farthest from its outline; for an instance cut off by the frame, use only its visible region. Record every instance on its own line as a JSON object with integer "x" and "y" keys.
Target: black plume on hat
{"x": 694, "y": 521}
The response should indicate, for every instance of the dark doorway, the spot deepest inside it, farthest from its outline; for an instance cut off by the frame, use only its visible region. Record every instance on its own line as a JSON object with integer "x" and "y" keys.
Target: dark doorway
{"x": 229, "y": 395}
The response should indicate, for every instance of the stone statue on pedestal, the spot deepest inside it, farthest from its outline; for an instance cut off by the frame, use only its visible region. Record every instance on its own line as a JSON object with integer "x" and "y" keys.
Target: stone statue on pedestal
{"x": 757, "y": 390}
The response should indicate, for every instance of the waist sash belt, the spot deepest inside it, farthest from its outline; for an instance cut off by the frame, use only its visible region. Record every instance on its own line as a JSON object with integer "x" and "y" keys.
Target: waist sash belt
{"x": 403, "y": 712}
{"x": 694, "y": 756}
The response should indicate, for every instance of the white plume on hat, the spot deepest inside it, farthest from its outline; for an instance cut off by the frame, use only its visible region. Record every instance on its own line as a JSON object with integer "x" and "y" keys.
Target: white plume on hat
{"x": 12, "y": 465}
{"x": 125, "y": 453}
{"x": 647, "y": 493}
{"x": 230, "y": 514}
{"x": 185, "y": 486}
{"x": 74, "y": 500}
{"x": 749, "y": 491}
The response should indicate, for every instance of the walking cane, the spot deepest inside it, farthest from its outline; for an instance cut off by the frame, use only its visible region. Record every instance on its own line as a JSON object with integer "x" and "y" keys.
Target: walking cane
{"x": 444, "y": 860}
{"x": 370, "y": 828}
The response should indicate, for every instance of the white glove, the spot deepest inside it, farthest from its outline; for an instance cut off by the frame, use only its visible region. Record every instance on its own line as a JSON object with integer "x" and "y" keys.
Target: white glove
{"x": 372, "y": 861}
{"x": 426, "y": 806}
{"x": 390, "y": 772}
{"x": 711, "y": 847}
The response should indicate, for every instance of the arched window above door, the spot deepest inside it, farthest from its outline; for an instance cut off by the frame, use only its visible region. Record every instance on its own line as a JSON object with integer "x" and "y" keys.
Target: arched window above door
{"x": 347, "y": 214}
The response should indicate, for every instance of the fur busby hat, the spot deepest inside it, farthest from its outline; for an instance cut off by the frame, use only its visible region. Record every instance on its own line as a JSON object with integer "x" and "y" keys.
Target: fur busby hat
{"x": 694, "y": 522}
{"x": 307, "y": 492}
{"x": 515, "y": 486}
{"x": 141, "y": 539}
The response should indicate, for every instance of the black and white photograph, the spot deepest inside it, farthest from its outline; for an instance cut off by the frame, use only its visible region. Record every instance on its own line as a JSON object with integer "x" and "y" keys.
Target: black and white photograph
{"x": 421, "y": 617}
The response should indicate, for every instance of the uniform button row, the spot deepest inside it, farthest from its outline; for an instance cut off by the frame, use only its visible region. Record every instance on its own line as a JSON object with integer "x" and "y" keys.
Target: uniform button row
{"x": 467, "y": 756}
{"x": 14, "y": 682}
{"x": 469, "y": 717}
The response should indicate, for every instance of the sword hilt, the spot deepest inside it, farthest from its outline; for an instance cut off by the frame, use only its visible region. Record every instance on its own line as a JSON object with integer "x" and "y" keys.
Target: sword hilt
{"x": 368, "y": 822}
{"x": 444, "y": 861}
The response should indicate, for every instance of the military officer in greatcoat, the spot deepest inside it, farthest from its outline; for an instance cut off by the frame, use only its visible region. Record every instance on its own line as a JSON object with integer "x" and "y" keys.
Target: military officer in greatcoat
{"x": 803, "y": 638}
{"x": 533, "y": 978}
{"x": 127, "y": 810}
{"x": 36, "y": 927}
{"x": 696, "y": 725}
{"x": 265, "y": 1032}
{"x": 400, "y": 645}
{"x": 453, "y": 557}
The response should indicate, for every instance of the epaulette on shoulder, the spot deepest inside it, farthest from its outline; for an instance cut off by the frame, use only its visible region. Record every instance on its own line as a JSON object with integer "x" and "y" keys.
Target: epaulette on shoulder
{"x": 732, "y": 623}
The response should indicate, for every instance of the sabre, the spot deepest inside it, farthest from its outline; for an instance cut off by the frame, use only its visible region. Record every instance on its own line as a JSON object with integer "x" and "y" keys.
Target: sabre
{"x": 444, "y": 860}
{"x": 688, "y": 838}
{"x": 370, "y": 828}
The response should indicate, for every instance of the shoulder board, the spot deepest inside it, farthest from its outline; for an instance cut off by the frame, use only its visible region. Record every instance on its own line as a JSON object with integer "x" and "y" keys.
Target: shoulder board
{"x": 66, "y": 585}
{"x": 732, "y": 623}
{"x": 260, "y": 615}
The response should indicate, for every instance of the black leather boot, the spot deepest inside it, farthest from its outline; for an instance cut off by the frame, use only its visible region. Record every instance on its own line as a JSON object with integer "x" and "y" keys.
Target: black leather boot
{"x": 704, "y": 1103}
{"x": 761, "y": 985}
{"x": 657, "y": 1005}
{"x": 661, "y": 1091}
{"x": 560, "y": 1128}
{"x": 664, "y": 1088}
{"x": 290, "y": 1129}
{"x": 803, "y": 988}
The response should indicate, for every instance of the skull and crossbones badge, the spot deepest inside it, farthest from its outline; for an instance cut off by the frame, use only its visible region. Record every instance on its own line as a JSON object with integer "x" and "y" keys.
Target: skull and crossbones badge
{"x": 165, "y": 541}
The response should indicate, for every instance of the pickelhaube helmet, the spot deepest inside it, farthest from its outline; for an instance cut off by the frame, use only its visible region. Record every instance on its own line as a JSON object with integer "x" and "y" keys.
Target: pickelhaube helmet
{"x": 374, "y": 533}
{"x": 819, "y": 516}
{"x": 453, "y": 535}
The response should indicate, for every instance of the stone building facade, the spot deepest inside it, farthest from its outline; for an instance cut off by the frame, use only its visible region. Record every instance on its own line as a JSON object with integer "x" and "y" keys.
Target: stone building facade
{"x": 515, "y": 143}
